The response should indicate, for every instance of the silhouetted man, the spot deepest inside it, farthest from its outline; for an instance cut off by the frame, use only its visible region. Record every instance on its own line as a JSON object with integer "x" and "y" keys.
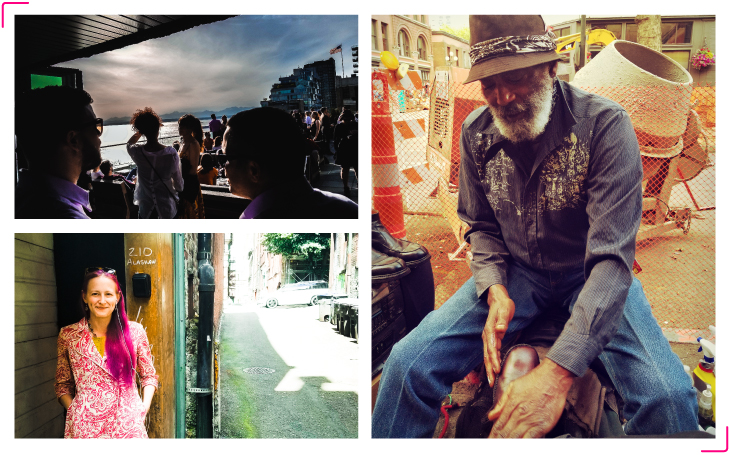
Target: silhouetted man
{"x": 215, "y": 126}
{"x": 266, "y": 157}
{"x": 66, "y": 145}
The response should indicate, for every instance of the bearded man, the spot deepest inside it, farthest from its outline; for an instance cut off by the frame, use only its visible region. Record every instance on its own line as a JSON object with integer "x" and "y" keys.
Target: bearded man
{"x": 550, "y": 186}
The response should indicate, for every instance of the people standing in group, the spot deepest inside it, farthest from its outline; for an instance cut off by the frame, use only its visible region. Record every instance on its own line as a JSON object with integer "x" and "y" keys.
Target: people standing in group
{"x": 95, "y": 174}
{"x": 217, "y": 144}
{"x": 158, "y": 168}
{"x": 191, "y": 203}
{"x": 308, "y": 119}
{"x": 208, "y": 141}
{"x": 107, "y": 168}
{"x": 346, "y": 147}
{"x": 328, "y": 126}
{"x": 299, "y": 119}
{"x": 69, "y": 146}
{"x": 315, "y": 130}
{"x": 224, "y": 125}
{"x": 268, "y": 168}
{"x": 214, "y": 126}
{"x": 207, "y": 173}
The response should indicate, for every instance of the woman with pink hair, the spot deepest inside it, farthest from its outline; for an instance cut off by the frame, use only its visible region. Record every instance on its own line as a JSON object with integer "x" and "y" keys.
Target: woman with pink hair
{"x": 98, "y": 360}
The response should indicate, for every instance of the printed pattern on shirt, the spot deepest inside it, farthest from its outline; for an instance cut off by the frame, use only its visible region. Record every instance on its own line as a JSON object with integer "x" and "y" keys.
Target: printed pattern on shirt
{"x": 564, "y": 174}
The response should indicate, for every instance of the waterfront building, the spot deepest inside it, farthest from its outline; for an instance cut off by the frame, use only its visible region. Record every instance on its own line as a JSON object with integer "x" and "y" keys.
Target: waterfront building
{"x": 300, "y": 90}
{"x": 325, "y": 71}
{"x": 347, "y": 91}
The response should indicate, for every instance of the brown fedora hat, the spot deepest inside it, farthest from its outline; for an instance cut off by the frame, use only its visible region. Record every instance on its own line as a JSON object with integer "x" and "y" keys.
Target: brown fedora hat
{"x": 506, "y": 43}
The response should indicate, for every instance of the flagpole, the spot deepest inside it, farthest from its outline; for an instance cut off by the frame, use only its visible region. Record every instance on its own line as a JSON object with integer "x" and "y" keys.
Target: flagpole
{"x": 343, "y": 64}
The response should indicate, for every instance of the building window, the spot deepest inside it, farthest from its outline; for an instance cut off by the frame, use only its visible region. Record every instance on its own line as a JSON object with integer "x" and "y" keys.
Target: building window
{"x": 677, "y": 33}
{"x": 613, "y": 27}
{"x": 681, "y": 57}
{"x": 403, "y": 44}
{"x": 565, "y": 31}
{"x": 425, "y": 76}
{"x": 456, "y": 57}
{"x": 421, "y": 48}
{"x": 384, "y": 31}
{"x": 375, "y": 36}
{"x": 423, "y": 19}
{"x": 631, "y": 34}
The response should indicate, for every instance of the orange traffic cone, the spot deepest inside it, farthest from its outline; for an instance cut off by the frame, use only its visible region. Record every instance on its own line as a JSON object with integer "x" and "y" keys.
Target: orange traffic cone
{"x": 387, "y": 197}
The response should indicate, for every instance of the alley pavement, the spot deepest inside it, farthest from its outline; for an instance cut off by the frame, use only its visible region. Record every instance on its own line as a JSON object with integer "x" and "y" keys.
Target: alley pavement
{"x": 284, "y": 374}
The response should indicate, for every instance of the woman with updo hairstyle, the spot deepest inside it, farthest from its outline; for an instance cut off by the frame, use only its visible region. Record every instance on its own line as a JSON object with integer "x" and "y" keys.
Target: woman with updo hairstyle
{"x": 191, "y": 131}
{"x": 159, "y": 177}
{"x": 99, "y": 359}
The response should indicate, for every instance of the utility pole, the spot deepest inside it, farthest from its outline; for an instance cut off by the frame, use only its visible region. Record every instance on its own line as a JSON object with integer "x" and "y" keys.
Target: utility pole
{"x": 583, "y": 44}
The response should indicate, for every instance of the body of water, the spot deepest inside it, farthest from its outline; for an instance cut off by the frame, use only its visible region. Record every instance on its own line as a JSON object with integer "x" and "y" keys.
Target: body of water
{"x": 114, "y": 140}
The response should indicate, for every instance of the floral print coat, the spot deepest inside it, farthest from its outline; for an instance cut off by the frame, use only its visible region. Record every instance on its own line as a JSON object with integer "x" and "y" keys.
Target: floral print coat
{"x": 100, "y": 407}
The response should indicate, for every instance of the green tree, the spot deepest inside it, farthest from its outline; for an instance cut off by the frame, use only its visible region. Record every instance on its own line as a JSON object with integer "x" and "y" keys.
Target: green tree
{"x": 315, "y": 247}
{"x": 462, "y": 33}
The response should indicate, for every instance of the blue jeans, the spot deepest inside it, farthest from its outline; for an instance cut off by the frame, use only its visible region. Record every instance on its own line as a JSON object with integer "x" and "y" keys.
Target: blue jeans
{"x": 447, "y": 345}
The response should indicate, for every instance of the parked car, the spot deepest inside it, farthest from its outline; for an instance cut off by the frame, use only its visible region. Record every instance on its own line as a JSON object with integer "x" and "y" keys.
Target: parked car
{"x": 304, "y": 292}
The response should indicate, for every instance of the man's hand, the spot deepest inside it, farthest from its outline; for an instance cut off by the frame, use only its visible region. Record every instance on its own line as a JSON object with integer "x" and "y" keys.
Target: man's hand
{"x": 532, "y": 404}
{"x": 501, "y": 310}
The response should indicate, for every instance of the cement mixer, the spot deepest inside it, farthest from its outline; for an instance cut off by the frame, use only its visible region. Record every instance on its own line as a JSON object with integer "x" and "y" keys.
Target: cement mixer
{"x": 656, "y": 92}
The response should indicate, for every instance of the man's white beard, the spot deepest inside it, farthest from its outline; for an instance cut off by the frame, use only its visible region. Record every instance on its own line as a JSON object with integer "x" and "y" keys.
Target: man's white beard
{"x": 538, "y": 107}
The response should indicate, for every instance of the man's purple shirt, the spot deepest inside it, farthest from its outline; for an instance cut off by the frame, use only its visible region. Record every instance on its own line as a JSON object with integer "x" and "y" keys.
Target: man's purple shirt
{"x": 39, "y": 195}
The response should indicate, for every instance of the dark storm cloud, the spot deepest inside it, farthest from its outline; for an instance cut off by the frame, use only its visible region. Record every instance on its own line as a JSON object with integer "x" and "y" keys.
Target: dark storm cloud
{"x": 228, "y": 63}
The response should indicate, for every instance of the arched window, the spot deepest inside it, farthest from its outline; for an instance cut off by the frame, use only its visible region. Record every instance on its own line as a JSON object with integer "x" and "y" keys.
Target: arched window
{"x": 421, "y": 48}
{"x": 403, "y": 44}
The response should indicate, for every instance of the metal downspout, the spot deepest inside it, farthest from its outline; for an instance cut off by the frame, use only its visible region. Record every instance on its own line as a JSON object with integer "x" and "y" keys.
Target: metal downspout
{"x": 206, "y": 289}
{"x": 178, "y": 267}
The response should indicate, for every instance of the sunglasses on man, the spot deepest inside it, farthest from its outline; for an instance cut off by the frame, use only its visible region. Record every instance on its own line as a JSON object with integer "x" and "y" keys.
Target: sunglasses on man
{"x": 99, "y": 123}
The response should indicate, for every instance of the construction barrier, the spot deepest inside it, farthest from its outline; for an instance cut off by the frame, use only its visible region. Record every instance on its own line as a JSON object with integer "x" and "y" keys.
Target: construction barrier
{"x": 675, "y": 250}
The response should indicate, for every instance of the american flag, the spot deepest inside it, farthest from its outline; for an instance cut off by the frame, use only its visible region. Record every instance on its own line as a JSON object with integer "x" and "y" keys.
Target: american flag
{"x": 336, "y": 49}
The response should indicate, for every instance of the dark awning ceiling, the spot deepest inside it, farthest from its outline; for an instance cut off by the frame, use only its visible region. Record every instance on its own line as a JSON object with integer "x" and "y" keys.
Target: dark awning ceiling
{"x": 42, "y": 41}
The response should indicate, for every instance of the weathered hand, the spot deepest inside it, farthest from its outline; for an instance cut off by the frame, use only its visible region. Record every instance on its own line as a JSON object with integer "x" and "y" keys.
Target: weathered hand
{"x": 501, "y": 310}
{"x": 532, "y": 404}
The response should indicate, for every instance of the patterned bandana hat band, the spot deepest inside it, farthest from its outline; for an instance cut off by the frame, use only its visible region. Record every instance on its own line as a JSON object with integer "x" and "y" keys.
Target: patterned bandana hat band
{"x": 511, "y": 45}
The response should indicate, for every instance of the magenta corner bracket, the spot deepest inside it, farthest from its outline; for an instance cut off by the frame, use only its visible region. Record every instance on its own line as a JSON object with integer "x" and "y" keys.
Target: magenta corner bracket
{"x": 10, "y": 3}
{"x": 726, "y": 444}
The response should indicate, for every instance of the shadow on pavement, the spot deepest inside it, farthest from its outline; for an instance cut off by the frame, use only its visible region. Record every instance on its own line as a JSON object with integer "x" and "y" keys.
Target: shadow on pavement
{"x": 252, "y": 408}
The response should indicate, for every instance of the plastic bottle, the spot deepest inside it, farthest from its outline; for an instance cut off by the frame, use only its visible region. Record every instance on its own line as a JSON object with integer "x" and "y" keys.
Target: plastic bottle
{"x": 706, "y": 411}
{"x": 705, "y": 370}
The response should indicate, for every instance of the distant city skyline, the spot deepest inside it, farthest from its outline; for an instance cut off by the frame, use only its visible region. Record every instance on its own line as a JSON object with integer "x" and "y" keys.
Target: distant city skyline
{"x": 215, "y": 66}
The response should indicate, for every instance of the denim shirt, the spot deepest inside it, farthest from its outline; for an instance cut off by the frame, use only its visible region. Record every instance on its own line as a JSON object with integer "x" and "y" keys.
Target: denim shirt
{"x": 578, "y": 206}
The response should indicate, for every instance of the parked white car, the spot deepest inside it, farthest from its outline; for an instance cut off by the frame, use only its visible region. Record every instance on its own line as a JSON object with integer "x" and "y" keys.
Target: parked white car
{"x": 304, "y": 292}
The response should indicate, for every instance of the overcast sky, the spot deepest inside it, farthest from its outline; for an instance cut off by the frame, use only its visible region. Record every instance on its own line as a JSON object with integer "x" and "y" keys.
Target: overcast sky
{"x": 214, "y": 66}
